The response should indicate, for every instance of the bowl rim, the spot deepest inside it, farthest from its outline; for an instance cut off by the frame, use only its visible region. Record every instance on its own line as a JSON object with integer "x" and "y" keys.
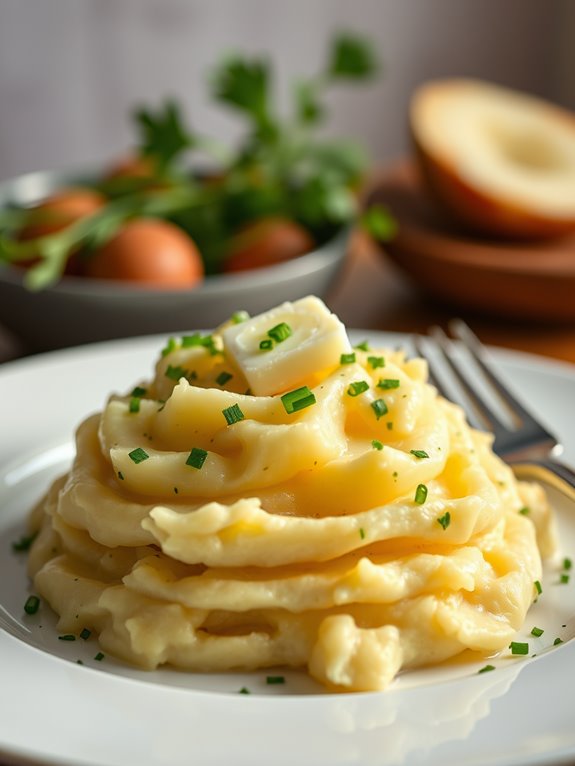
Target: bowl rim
{"x": 18, "y": 189}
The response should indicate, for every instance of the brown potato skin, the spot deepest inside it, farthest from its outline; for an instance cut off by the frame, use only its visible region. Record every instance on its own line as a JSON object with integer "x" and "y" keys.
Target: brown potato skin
{"x": 148, "y": 251}
{"x": 266, "y": 242}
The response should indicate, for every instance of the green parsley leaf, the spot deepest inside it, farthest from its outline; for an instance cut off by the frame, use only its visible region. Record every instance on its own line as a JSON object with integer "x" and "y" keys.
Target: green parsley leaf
{"x": 352, "y": 57}
{"x": 162, "y": 134}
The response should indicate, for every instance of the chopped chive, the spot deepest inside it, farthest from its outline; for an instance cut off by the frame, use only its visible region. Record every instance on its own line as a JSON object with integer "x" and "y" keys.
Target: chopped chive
{"x": 139, "y": 392}
{"x": 379, "y": 407}
{"x": 563, "y": 579}
{"x": 120, "y": 476}
{"x": 538, "y": 587}
{"x": 233, "y": 414}
{"x": 376, "y": 361}
{"x": 99, "y": 657}
{"x": 223, "y": 378}
{"x": 518, "y": 647}
{"x": 135, "y": 404}
{"x": 79, "y": 662}
{"x": 567, "y": 564}
{"x": 266, "y": 345}
{"x": 32, "y": 605}
{"x": 176, "y": 490}
{"x": 444, "y": 520}
{"x": 421, "y": 494}
{"x": 524, "y": 511}
{"x": 197, "y": 458}
{"x": 67, "y": 637}
{"x": 388, "y": 383}
{"x": 420, "y": 453}
{"x": 239, "y": 316}
{"x": 297, "y": 400}
{"x": 170, "y": 346}
{"x": 244, "y": 690}
{"x": 138, "y": 455}
{"x": 85, "y": 634}
{"x": 347, "y": 358}
{"x": 376, "y": 444}
{"x": 280, "y": 332}
{"x": 175, "y": 373}
{"x": 207, "y": 341}
{"x": 24, "y": 543}
{"x": 389, "y": 425}
{"x": 362, "y": 533}
{"x": 486, "y": 668}
{"x": 537, "y": 632}
{"x": 358, "y": 387}
{"x": 557, "y": 641}
{"x": 363, "y": 346}
{"x": 275, "y": 680}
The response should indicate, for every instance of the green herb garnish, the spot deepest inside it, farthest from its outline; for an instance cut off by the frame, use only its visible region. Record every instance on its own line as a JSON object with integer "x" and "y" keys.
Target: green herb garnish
{"x": 266, "y": 345}
{"x": 32, "y": 605}
{"x": 233, "y": 414}
{"x": 486, "y": 668}
{"x": 197, "y": 458}
{"x": 419, "y": 453}
{"x": 134, "y": 404}
{"x": 388, "y": 383}
{"x": 421, "y": 494}
{"x": 537, "y": 632}
{"x": 24, "y": 543}
{"x": 444, "y": 520}
{"x": 139, "y": 392}
{"x": 280, "y": 332}
{"x": 99, "y": 657}
{"x": 363, "y": 346}
{"x": 175, "y": 373}
{"x": 376, "y": 361}
{"x": 376, "y": 444}
{"x": 85, "y": 634}
{"x": 138, "y": 455}
{"x": 379, "y": 407}
{"x": 297, "y": 400}
{"x": 67, "y": 637}
{"x": 524, "y": 511}
{"x": 518, "y": 647}
{"x": 239, "y": 316}
{"x": 347, "y": 358}
{"x": 358, "y": 387}
{"x": 223, "y": 378}
{"x": 272, "y": 680}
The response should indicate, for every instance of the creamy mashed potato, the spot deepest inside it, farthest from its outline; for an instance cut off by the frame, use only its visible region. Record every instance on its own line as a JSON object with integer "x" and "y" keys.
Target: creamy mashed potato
{"x": 272, "y": 496}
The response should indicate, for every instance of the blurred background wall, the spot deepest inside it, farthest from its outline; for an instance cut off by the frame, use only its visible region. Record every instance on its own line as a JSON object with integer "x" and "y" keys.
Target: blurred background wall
{"x": 71, "y": 70}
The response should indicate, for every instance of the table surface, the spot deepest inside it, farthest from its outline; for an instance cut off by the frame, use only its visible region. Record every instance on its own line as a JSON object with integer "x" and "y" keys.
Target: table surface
{"x": 372, "y": 294}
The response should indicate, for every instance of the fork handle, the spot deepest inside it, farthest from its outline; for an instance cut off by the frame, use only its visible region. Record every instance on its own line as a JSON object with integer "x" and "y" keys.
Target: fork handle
{"x": 556, "y": 474}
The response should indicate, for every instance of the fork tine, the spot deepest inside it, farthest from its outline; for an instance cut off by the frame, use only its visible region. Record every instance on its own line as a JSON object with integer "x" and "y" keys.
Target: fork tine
{"x": 466, "y": 335}
{"x": 487, "y": 415}
{"x": 432, "y": 377}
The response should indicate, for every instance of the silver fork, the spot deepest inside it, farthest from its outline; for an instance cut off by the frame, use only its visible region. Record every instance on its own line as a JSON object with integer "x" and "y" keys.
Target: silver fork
{"x": 525, "y": 443}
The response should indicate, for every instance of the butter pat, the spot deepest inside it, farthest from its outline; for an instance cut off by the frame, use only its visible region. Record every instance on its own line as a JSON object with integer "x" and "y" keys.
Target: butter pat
{"x": 317, "y": 340}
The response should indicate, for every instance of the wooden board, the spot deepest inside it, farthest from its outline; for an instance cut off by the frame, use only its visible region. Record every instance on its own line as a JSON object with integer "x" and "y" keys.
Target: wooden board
{"x": 523, "y": 280}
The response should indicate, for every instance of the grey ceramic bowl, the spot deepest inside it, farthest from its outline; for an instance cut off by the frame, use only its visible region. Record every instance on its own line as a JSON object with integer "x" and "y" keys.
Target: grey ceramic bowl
{"x": 79, "y": 310}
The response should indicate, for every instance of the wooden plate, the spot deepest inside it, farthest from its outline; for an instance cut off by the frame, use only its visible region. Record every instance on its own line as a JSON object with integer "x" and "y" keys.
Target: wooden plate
{"x": 523, "y": 280}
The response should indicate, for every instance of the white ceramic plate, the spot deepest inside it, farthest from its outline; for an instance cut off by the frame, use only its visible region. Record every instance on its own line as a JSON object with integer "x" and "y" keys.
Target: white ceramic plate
{"x": 55, "y": 711}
